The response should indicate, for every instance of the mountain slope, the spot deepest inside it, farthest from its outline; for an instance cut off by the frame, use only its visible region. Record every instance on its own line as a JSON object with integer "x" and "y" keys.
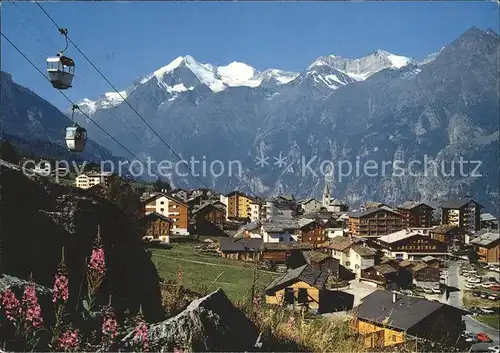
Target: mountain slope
{"x": 383, "y": 107}
{"x": 27, "y": 117}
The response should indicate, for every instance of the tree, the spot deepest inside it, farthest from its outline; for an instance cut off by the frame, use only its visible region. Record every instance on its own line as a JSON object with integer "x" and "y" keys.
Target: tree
{"x": 9, "y": 153}
{"x": 473, "y": 256}
{"x": 160, "y": 185}
{"x": 124, "y": 196}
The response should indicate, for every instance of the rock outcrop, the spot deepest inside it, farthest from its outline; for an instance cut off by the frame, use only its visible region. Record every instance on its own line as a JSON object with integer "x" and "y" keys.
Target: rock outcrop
{"x": 38, "y": 219}
{"x": 211, "y": 323}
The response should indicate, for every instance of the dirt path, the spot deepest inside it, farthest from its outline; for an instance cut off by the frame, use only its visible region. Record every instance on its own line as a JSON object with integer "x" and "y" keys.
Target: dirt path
{"x": 212, "y": 264}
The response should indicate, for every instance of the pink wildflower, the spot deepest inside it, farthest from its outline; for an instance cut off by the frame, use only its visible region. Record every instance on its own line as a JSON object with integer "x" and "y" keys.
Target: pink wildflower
{"x": 60, "y": 290}
{"x": 97, "y": 261}
{"x": 10, "y": 304}
{"x": 109, "y": 326}
{"x": 31, "y": 308}
{"x": 141, "y": 334}
{"x": 179, "y": 275}
{"x": 69, "y": 340}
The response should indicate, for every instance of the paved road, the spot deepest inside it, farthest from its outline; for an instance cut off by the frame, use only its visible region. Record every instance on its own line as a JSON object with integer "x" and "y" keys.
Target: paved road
{"x": 454, "y": 280}
{"x": 472, "y": 325}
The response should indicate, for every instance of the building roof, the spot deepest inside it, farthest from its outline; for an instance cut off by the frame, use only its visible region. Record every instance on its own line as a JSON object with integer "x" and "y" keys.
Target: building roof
{"x": 306, "y": 201}
{"x": 305, "y": 221}
{"x": 286, "y": 197}
{"x": 486, "y": 239}
{"x": 240, "y": 245}
{"x": 409, "y": 205}
{"x": 280, "y": 225}
{"x": 458, "y": 203}
{"x": 287, "y": 247}
{"x": 371, "y": 211}
{"x": 306, "y": 273}
{"x": 397, "y": 236}
{"x": 156, "y": 215}
{"x": 168, "y": 196}
{"x": 428, "y": 258}
{"x": 488, "y": 217}
{"x": 363, "y": 250}
{"x": 405, "y": 313}
{"x": 314, "y": 256}
{"x": 207, "y": 206}
{"x": 444, "y": 228}
{"x": 384, "y": 268}
{"x": 341, "y": 243}
{"x": 374, "y": 204}
{"x": 406, "y": 263}
{"x": 419, "y": 266}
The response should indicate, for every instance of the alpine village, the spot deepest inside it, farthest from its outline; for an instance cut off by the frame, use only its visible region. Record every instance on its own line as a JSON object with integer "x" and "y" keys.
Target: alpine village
{"x": 100, "y": 261}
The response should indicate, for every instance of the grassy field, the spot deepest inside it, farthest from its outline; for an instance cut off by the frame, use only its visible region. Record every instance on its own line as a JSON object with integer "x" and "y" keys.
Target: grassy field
{"x": 490, "y": 320}
{"x": 202, "y": 272}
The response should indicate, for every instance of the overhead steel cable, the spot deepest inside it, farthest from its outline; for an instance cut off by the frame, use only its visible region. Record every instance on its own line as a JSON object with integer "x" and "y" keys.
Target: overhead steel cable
{"x": 73, "y": 104}
{"x": 124, "y": 99}
{"x": 119, "y": 121}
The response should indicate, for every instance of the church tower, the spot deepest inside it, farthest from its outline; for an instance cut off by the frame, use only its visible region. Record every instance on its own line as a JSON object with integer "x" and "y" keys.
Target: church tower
{"x": 326, "y": 195}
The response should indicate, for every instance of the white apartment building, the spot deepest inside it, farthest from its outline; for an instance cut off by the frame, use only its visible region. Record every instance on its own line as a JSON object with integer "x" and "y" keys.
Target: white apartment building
{"x": 85, "y": 181}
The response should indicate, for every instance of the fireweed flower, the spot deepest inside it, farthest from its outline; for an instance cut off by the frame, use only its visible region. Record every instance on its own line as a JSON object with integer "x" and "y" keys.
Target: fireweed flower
{"x": 10, "y": 305}
{"x": 109, "y": 326}
{"x": 69, "y": 340}
{"x": 60, "y": 290}
{"x": 32, "y": 312}
{"x": 141, "y": 335}
{"x": 97, "y": 262}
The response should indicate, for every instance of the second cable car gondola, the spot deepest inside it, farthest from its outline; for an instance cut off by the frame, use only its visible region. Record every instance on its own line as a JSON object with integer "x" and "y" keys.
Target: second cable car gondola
{"x": 76, "y": 136}
{"x": 60, "y": 68}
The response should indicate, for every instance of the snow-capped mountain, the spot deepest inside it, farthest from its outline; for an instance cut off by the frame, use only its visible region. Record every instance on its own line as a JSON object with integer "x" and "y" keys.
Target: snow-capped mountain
{"x": 331, "y": 71}
{"x": 382, "y": 107}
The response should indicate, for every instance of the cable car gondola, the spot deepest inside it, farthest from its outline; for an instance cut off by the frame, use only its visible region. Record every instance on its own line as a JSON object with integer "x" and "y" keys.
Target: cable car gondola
{"x": 76, "y": 136}
{"x": 60, "y": 68}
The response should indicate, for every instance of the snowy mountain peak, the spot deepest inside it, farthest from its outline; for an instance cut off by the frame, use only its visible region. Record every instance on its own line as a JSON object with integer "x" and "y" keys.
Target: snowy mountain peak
{"x": 362, "y": 68}
{"x": 238, "y": 74}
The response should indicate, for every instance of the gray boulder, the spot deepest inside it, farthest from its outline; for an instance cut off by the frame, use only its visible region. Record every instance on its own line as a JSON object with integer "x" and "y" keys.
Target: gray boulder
{"x": 211, "y": 323}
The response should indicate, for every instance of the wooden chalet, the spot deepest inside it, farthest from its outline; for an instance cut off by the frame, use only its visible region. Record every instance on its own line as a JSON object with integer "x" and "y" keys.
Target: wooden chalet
{"x": 156, "y": 226}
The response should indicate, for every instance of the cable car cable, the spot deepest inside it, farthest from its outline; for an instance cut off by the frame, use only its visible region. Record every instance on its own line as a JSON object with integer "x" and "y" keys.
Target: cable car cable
{"x": 124, "y": 99}
{"x": 120, "y": 122}
{"x": 69, "y": 100}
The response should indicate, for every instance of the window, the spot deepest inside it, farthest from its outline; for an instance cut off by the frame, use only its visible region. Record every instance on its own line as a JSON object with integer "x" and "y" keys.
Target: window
{"x": 393, "y": 338}
{"x": 162, "y": 202}
{"x": 162, "y": 209}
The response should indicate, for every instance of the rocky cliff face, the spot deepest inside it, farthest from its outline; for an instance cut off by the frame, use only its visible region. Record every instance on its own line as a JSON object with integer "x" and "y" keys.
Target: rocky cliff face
{"x": 39, "y": 219}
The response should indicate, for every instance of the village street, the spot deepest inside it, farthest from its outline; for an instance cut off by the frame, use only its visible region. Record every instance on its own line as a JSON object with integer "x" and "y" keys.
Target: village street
{"x": 472, "y": 325}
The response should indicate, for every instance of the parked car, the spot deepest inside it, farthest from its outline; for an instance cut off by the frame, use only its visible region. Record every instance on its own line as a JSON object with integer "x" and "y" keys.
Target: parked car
{"x": 473, "y": 280}
{"x": 483, "y": 337}
{"x": 492, "y": 279}
{"x": 494, "y": 349}
{"x": 487, "y": 311}
{"x": 494, "y": 288}
{"x": 475, "y": 310}
{"x": 484, "y": 295}
{"x": 476, "y": 294}
{"x": 493, "y": 297}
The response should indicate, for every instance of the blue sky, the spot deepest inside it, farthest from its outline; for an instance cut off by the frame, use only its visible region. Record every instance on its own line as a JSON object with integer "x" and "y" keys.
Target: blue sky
{"x": 127, "y": 40}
